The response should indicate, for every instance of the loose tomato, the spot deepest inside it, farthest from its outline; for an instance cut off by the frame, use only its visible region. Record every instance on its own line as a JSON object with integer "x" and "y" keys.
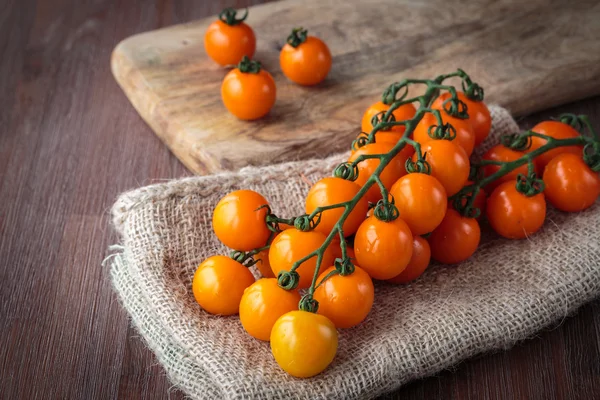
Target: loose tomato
{"x": 248, "y": 93}
{"x": 263, "y": 265}
{"x": 570, "y": 184}
{"x": 262, "y": 304}
{"x": 219, "y": 283}
{"x": 303, "y": 343}
{"x": 305, "y": 60}
{"x": 383, "y": 249}
{"x": 228, "y": 39}
{"x": 514, "y": 215}
{"x": 421, "y": 200}
{"x": 402, "y": 113}
{"x": 557, "y": 130}
{"x": 504, "y": 154}
{"x": 479, "y": 114}
{"x": 345, "y": 300}
{"x": 329, "y": 191}
{"x": 465, "y": 136}
{"x": 239, "y": 221}
{"x": 290, "y": 246}
{"x": 449, "y": 164}
{"x": 419, "y": 261}
{"x": 455, "y": 239}
{"x": 392, "y": 172}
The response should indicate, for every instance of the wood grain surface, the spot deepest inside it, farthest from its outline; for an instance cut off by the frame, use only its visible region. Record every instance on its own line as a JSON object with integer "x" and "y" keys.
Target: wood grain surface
{"x": 549, "y": 50}
{"x": 69, "y": 143}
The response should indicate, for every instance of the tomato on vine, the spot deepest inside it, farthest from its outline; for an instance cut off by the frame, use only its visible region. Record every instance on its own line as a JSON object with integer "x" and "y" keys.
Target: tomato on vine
{"x": 305, "y": 60}
{"x": 455, "y": 239}
{"x": 449, "y": 164}
{"x": 479, "y": 114}
{"x": 556, "y": 130}
{"x": 229, "y": 38}
{"x": 465, "y": 136}
{"x": 263, "y": 265}
{"x": 419, "y": 261}
{"x": 479, "y": 202}
{"x": 503, "y": 154}
{"x": 219, "y": 283}
{"x": 402, "y": 113}
{"x": 303, "y": 343}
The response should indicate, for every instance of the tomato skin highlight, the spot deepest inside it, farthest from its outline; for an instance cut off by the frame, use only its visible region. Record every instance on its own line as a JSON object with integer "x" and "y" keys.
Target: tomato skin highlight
{"x": 557, "y": 130}
{"x": 226, "y": 45}
{"x": 479, "y": 114}
{"x": 247, "y": 95}
{"x": 449, "y": 164}
{"x": 402, "y": 113}
{"x": 419, "y": 261}
{"x": 455, "y": 239}
{"x": 308, "y": 64}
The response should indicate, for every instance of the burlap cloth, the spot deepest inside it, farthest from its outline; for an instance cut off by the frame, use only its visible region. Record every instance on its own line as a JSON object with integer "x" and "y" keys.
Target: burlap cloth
{"x": 507, "y": 291}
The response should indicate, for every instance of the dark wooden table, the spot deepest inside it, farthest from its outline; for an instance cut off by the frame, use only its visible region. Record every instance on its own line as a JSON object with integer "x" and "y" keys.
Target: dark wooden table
{"x": 69, "y": 143}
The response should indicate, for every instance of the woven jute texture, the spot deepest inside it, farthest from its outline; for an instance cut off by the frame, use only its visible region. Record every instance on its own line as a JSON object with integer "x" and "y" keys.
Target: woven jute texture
{"x": 506, "y": 292}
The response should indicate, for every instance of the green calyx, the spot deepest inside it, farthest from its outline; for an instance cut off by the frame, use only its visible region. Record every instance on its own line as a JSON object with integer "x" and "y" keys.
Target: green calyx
{"x": 386, "y": 211}
{"x": 529, "y": 185}
{"x": 297, "y": 37}
{"x": 229, "y": 16}
{"x": 249, "y": 66}
{"x": 444, "y": 131}
{"x": 456, "y": 108}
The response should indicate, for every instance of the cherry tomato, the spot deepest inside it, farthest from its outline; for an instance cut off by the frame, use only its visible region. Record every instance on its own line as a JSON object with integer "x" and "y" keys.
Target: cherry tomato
{"x": 219, "y": 283}
{"x": 305, "y": 61}
{"x": 502, "y": 153}
{"x": 336, "y": 250}
{"x": 449, "y": 164}
{"x": 465, "y": 137}
{"x": 290, "y": 246}
{"x": 514, "y": 215}
{"x": 570, "y": 184}
{"x": 455, "y": 239}
{"x": 263, "y": 265}
{"x": 239, "y": 221}
{"x": 383, "y": 249}
{"x": 479, "y": 114}
{"x": 262, "y": 304}
{"x": 419, "y": 261}
{"x": 421, "y": 200}
{"x": 303, "y": 343}
{"x": 228, "y": 39}
{"x": 345, "y": 300}
{"x": 392, "y": 172}
{"x": 402, "y": 113}
{"x": 557, "y": 130}
{"x": 248, "y": 95}
{"x": 329, "y": 191}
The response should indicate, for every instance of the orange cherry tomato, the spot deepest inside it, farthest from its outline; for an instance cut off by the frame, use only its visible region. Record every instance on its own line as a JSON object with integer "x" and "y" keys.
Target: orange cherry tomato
{"x": 570, "y": 184}
{"x": 345, "y": 300}
{"x": 383, "y": 249}
{"x": 263, "y": 265}
{"x": 303, "y": 343}
{"x": 290, "y": 246}
{"x": 502, "y": 153}
{"x": 402, "y": 113}
{"x": 392, "y": 172}
{"x": 514, "y": 215}
{"x": 239, "y": 221}
{"x": 228, "y": 39}
{"x": 419, "y": 261}
{"x": 421, "y": 200}
{"x": 336, "y": 250}
{"x": 557, "y": 130}
{"x": 305, "y": 60}
{"x": 262, "y": 304}
{"x": 449, "y": 164}
{"x": 329, "y": 191}
{"x": 465, "y": 136}
{"x": 219, "y": 283}
{"x": 455, "y": 239}
{"x": 479, "y": 114}
{"x": 248, "y": 93}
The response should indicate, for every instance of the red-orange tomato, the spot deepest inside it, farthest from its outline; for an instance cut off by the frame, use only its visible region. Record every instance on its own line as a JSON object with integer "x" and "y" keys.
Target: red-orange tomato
{"x": 263, "y": 265}
{"x": 248, "y": 95}
{"x": 392, "y": 172}
{"x": 455, "y": 239}
{"x": 383, "y": 249}
{"x": 421, "y": 200}
{"x": 504, "y": 154}
{"x": 329, "y": 191}
{"x": 449, "y": 164}
{"x": 345, "y": 300}
{"x": 227, "y": 44}
{"x": 479, "y": 114}
{"x": 308, "y": 63}
{"x": 570, "y": 184}
{"x": 419, "y": 261}
{"x": 514, "y": 215}
{"x": 557, "y": 130}
{"x": 465, "y": 136}
{"x": 219, "y": 283}
{"x": 290, "y": 246}
{"x": 239, "y": 221}
{"x": 402, "y": 113}
{"x": 262, "y": 304}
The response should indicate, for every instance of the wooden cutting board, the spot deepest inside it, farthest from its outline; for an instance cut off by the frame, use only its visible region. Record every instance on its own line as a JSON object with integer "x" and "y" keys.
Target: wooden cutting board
{"x": 528, "y": 55}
